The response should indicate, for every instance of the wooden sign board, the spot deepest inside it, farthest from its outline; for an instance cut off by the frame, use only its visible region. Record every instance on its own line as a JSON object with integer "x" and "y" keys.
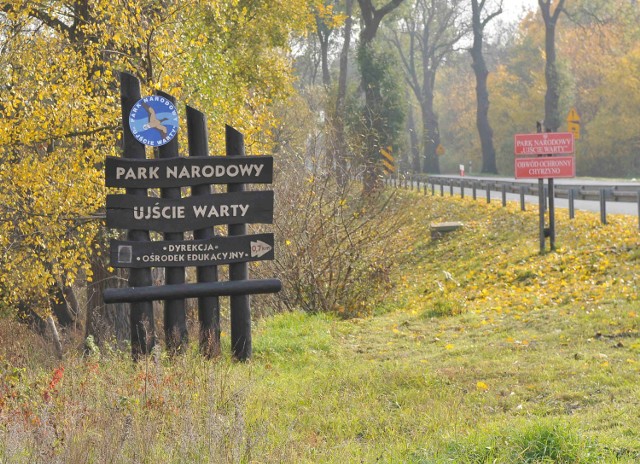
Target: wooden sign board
{"x": 207, "y": 252}
{"x": 190, "y": 213}
{"x": 183, "y": 172}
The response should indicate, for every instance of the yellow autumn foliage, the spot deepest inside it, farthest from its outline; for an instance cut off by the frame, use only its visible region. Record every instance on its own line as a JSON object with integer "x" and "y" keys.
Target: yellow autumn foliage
{"x": 60, "y": 115}
{"x": 493, "y": 265}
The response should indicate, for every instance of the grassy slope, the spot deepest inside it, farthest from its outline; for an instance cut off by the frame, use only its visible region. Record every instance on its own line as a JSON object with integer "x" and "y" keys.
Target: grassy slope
{"x": 484, "y": 351}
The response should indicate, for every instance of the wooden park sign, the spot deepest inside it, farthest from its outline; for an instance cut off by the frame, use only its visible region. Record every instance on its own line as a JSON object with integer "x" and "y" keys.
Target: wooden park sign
{"x": 153, "y": 122}
{"x": 189, "y": 213}
{"x": 182, "y": 172}
{"x": 213, "y": 251}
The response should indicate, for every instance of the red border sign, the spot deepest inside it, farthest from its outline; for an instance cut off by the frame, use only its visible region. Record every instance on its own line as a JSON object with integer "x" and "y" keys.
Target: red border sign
{"x": 545, "y": 143}
{"x": 545, "y": 167}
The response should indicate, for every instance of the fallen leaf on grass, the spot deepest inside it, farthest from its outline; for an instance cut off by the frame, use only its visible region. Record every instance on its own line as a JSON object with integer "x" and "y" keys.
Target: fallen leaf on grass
{"x": 482, "y": 386}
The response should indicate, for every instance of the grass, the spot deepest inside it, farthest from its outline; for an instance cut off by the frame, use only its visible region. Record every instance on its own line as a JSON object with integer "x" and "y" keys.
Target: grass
{"x": 485, "y": 351}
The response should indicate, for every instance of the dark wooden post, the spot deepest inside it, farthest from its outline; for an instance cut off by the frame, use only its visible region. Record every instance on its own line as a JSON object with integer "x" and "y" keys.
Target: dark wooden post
{"x": 239, "y": 304}
{"x": 175, "y": 316}
{"x": 143, "y": 337}
{"x": 208, "y": 306}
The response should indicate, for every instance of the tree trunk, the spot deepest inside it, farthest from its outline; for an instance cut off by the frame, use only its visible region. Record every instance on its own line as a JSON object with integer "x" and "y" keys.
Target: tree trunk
{"x": 323, "y": 37}
{"x": 60, "y": 308}
{"x": 374, "y": 120}
{"x": 485, "y": 131}
{"x": 56, "y": 337}
{"x": 552, "y": 97}
{"x": 371, "y": 179}
{"x": 371, "y": 17}
{"x": 340, "y": 145}
{"x": 430, "y": 134}
{"x": 413, "y": 139}
{"x": 482, "y": 94}
{"x": 106, "y": 322}
{"x": 72, "y": 301}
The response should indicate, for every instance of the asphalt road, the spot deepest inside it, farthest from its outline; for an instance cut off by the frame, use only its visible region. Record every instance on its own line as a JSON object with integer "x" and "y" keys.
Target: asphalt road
{"x": 612, "y": 207}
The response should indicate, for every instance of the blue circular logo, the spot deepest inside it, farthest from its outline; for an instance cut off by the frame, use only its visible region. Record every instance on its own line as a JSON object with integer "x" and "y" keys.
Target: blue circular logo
{"x": 154, "y": 121}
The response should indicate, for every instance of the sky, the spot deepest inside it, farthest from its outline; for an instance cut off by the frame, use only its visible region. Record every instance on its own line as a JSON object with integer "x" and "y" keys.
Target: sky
{"x": 513, "y": 9}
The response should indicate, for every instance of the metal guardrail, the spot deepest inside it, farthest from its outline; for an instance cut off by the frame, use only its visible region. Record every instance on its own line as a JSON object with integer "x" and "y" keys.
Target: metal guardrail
{"x": 602, "y": 194}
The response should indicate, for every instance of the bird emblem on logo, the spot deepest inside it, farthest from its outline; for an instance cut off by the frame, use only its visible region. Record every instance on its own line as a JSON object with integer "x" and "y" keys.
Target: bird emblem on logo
{"x": 154, "y": 122}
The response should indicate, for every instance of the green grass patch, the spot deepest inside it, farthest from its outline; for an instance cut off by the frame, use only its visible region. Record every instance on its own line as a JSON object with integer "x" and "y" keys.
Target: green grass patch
{"x": 543, "y": 441}
{"x": 485, "y": 351}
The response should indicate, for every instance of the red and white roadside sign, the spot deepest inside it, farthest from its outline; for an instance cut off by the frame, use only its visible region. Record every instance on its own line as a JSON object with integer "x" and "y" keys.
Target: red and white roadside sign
{"x": 545, "y": 167}
{"x": 545, "y": 143}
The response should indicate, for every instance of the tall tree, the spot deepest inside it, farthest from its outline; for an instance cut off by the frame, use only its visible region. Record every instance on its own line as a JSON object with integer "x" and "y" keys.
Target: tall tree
{"x": 414, "y": 145}
{"x": 479, "y": 65}
{"x": 601, "y": 44}
{"x": 371, "y": 86}
{"x": 552, "y": 97}
{"x": 324, "y": 30}
{"x": 432, "y": 34}
{"x": 339, "y": 145}
{"x": 59, "y": 111}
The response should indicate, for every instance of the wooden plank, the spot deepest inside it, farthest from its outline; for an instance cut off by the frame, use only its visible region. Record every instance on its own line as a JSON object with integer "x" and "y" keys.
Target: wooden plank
{"x": 141, "y": 317}
{"x": 243, "y": 287}
{"x": 205, "y": 252}
{"x": 186, "y": 172}
{"x": 239, "y": 305}
{"x": 175, "y": 314}
{"x": 190, "y": 213}
{"x": 208, "y": 306}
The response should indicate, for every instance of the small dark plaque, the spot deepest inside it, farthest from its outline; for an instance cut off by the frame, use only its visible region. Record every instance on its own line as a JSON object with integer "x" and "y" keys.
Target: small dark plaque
{"x": 183, "y": 172}
{"x": 190, "y": 213}
{"x": 207, "y": 252}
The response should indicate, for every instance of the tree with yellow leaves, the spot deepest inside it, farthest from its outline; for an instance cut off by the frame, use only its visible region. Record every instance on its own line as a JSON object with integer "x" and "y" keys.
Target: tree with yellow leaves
{"x": 60, "y": 115}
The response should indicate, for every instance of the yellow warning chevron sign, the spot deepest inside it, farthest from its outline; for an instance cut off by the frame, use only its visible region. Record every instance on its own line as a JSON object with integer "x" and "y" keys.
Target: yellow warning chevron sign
{"x": 573, "y": 123}
{"x": 388, "y": 162}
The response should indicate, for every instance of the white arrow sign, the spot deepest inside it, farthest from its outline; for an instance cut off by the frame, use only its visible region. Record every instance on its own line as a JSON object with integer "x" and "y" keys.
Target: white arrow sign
{"x": 259, "y": 248}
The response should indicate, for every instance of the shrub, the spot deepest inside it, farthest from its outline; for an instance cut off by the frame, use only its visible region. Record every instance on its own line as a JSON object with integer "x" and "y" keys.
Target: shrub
{"x": 334, "y": 247}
